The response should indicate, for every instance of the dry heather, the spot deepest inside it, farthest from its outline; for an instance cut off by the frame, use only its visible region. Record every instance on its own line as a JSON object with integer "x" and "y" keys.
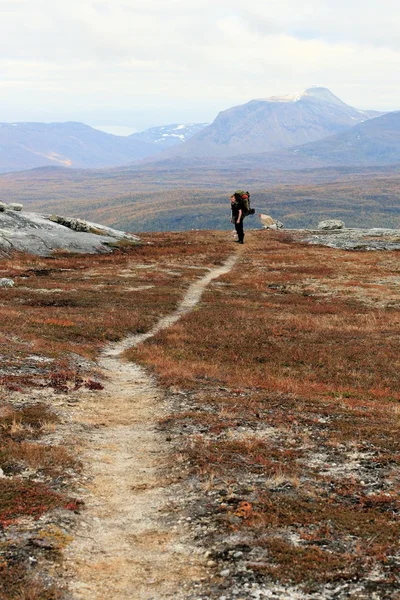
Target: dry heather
{"x": 285, "y": 390}
{"x": 283, "y": 386}
{"x": 55, "y": 320}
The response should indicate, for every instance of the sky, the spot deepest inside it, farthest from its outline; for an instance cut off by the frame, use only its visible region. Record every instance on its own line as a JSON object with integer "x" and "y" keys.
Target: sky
{"x": 126, "y": 65}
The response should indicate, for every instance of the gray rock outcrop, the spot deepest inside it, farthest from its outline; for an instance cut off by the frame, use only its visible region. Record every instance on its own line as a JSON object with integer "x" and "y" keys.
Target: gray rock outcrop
{"x": 41, "y": 235}
{"x": 355, "y": 239}
{"x": 329, "y": 224}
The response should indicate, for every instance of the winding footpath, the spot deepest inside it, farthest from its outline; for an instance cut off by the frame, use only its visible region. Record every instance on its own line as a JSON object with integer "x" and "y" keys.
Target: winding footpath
{"x": 123, "y": 549}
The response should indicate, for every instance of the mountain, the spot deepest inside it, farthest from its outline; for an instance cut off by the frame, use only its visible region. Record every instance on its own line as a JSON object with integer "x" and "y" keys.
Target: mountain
{"x": 168, "y": 135}
{"x": 272, "y": 124}
{"x": 375, "y": 142}
{"x": 30, "y": 145}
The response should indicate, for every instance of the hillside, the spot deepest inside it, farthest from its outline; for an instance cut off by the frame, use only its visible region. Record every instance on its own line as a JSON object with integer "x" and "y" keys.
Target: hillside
{"x": 269, "y": 125}
{"x": 374, "y": 142}
{"x": 149, "y": 199}
{"x": 30, "y": 145}
{"x": 149, "y": 443}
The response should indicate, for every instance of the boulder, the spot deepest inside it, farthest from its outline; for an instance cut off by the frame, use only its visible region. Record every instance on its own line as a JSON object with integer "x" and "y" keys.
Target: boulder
{"x": 42, "y": 235}
{"x": 15, "y": 206}
{"x": 270, "y": 223}
{"x": 3, "y": 206}
{"x": 330, "y": 224}
{"x": 8, "y": 283}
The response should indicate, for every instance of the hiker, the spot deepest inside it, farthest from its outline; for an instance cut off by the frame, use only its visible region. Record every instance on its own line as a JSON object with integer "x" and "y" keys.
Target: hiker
{"x": 238, "y": 207}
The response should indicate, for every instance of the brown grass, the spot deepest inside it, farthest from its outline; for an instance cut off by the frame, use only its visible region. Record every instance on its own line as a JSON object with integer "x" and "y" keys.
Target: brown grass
{"x": 61, "y": 309}
{"x": 76, "y": 303}
{"x": 292, "y": 369}
{"x": 289, "y": 371}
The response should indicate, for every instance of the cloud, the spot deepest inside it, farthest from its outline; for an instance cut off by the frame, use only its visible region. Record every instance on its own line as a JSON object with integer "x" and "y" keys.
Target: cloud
{"x": 180, "y": 56}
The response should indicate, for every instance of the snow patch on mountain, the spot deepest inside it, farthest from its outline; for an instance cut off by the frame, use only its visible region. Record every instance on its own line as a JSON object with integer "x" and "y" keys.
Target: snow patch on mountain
{"x": 169, "y": 135}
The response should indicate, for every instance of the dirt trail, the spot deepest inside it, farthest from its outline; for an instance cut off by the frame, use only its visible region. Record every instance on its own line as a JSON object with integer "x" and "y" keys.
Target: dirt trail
{"x": 122, "y": 549}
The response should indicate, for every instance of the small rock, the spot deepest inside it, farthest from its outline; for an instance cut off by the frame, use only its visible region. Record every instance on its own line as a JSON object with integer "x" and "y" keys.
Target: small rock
{"x": 330, "y": 224}
{"x": 225, "y": 573}
{"x": 3, "y": 206}
{"x": 4, "y": 282}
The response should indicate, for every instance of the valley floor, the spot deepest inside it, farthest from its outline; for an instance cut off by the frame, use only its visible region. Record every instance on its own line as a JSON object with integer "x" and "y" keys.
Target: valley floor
{"x": 265, "y": 420}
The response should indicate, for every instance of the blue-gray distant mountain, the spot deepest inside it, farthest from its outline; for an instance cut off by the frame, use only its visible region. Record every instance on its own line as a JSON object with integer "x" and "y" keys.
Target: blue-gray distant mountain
{"x": 272, "y": 124}
{"x": 168, "y": 135}
{"x": 31, "y": 145}
{"x": 375, "y": 142}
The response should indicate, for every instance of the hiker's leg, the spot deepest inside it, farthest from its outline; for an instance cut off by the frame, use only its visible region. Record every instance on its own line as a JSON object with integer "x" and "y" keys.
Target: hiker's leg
{"x": 237, "y": 228}
{"x": 239, "y": 231}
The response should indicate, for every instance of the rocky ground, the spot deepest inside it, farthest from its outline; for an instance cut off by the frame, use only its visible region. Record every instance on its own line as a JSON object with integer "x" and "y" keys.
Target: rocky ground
{"x": 353, "y": 239}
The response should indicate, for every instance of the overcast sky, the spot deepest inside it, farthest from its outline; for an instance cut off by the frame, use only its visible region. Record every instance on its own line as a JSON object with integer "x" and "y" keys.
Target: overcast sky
{"x": 140, "y": 63}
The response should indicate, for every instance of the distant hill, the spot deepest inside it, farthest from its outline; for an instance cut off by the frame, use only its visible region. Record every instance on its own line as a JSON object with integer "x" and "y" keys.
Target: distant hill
{"x": 31, "y": 145}
{"x": 272, "y": 124}
{"x": 165, "y": 199}
{"x": 167, "y": 136}
{"x": 375, "y": 142}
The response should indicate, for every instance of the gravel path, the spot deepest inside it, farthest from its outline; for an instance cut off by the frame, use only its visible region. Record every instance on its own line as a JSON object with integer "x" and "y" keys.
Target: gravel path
{"x": 123, "y": 547}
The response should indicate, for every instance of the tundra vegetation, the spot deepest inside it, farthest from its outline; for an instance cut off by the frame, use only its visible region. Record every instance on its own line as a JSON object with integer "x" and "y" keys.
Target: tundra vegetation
{"x": 168, "y": 198}
{"x": 283, "y": 387}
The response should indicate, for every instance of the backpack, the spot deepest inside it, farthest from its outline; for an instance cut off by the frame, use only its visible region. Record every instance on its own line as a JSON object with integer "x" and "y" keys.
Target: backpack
{"x": 244, "y": 199}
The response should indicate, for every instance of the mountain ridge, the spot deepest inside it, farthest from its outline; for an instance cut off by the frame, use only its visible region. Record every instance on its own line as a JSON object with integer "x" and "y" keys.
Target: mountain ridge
{"x": 28, "y": 145}
{"x": 271, "y": 125}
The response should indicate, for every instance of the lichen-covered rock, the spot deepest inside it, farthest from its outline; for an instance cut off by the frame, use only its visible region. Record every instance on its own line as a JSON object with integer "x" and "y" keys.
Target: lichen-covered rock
{"x": 330, "y": 224}
{"x": 5, "y": 282}
{"x": 15, "y": 206}
{"x": 80, "y": 225}
{"x": 72, "y": 223}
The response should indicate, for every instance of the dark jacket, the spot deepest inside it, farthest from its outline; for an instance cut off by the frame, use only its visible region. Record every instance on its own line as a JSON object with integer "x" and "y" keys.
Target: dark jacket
{"x": 235, "y": 207}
